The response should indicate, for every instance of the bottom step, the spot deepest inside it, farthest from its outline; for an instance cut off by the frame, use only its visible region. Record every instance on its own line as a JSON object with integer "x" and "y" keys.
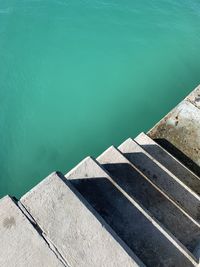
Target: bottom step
{"x": 20, "y": 244}
{"x": 79, "y": 234}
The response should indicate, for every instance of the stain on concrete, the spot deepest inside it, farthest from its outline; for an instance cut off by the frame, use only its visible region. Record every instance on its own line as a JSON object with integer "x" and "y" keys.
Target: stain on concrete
{"x": 181, "y": 128}
{"x": 9, "y": 222}
{"x": 197, "y": 99}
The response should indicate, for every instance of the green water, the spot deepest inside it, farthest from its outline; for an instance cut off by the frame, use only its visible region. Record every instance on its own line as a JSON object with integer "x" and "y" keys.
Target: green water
{"x": 79, "y": 75}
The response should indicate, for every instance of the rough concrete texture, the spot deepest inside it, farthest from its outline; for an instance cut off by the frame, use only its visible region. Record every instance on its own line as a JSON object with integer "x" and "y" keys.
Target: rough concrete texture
{"x": 87, "y": 168}
{"x": 194, "y": 97}
{"x": 164, "y": 179}
{"x": 69, "y": 223}
{"x": 20, "y": 244}
{"x": 95, "y": 185}
{"x": 169, "y": 162}
{"x": 165, "y": 210}
{"x": 181, "y": 128}
{"x": 152, "y": 237}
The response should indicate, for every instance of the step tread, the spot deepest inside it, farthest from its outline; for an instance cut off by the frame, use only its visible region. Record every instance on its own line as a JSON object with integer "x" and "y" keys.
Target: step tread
{"x": 20, "y": 243}
{"x": 164, "y": 209}
{"x": 169, "y": 162}
{"x": 129, "y": 179}
{"x": 160, "y": 206}
{"x": 55, "y": 204}
{"x": 164, "y": 179}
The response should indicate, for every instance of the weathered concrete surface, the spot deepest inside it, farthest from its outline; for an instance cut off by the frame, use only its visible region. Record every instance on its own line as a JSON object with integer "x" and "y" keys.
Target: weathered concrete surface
{"x": 69, "y": 223}
{"x": 181, "y": 128}
{"x": 158, "y": 204}
{"x": 169, "y": 162}
{"x": 151, "y": 202}
{"x": 95, "y": 185}
{"x": 20, "y": 244}
{"x": 194, "y": 97}
{"x": 164, "y": 179}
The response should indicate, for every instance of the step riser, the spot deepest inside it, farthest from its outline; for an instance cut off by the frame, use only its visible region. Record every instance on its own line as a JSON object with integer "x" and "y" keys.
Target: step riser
{"x": 135, "y": 235}
{"x": 139, "y": 188}
{"x": 167, "y": 182}
{"x": 140, "y": 228}
{"x": 169, "y": 162}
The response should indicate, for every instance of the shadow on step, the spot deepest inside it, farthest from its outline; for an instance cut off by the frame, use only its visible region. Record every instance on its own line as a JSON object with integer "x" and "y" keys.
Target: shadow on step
{"x": 154, "y": 171}
{"x": 179, "y": 155}
{"x": 138, "y": 187}
{"x": 129, "y": 223}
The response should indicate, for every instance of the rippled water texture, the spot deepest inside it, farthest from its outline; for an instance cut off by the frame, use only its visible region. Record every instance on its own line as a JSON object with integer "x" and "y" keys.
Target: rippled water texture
{"x": 77, "y": 76}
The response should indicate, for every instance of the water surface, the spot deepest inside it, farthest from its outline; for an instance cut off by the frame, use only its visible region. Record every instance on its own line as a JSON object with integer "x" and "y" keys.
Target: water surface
{"x": 79, "y": 75}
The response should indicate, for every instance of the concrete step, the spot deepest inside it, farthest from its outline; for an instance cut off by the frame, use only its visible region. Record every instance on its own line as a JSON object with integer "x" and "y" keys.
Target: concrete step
{"x": 149, "y": 241}
{"x": 169, "y": 162}
{"x": 137, "y": 186}
{"x": 80, "y": 235}
{"x": 179, "y": 132}
{"x": 186, "y": 198}
{"x": 20, "y": 244}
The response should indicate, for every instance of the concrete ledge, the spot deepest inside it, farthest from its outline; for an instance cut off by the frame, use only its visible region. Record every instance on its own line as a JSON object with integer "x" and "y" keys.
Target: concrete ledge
{"x": 181, "y": 128}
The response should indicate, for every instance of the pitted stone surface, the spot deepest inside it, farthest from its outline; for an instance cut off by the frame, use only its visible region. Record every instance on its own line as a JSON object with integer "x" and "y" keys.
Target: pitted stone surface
{"x": 194, "y": 97}
{"x": 169, "y": 162}
{"x": 72, "y": 226}
{"x": 20, "y": 244}
{"x": 181, "y": 128}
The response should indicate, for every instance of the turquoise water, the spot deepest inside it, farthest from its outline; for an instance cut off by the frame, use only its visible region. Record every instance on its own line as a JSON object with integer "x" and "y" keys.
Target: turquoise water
{"x": 79, "y": 75}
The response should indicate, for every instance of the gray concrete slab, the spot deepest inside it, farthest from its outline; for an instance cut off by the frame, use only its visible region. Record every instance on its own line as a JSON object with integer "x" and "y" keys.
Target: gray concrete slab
{"x": 181, "y": 129}
{"x": 142, "y": 236}
{"x": 20, "y": 243}
{"x": 73, "y": 227}
{"x": 169, "y": 162}
{"x": 194, "y": 97}
{"x": 166, "y": 181}
{"x": 141, "y": 189}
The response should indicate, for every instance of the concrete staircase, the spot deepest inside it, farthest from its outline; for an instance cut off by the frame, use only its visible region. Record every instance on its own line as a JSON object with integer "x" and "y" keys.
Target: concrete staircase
{"x": 135, "y": 205}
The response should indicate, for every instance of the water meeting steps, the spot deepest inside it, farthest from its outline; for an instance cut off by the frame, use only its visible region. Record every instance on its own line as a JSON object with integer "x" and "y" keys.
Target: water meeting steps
{"x": 135, "y": 205}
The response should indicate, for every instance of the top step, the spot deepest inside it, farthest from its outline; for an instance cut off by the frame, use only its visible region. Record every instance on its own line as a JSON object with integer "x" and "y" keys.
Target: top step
{"x": 20, "y": 244}
{"x": 80, "y": 235}
{"x": 179, "y": 133}
{"x": 169, "y": 162}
